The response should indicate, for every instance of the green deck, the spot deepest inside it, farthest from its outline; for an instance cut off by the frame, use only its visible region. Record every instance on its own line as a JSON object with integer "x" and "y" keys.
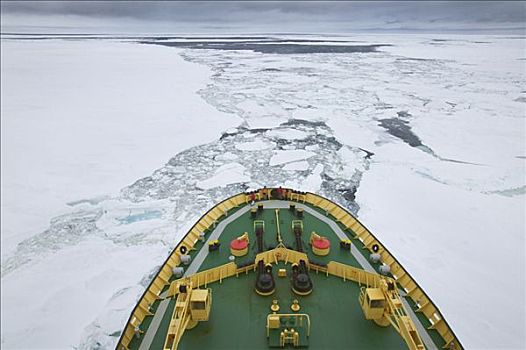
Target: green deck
{"x": 238, "y": 315}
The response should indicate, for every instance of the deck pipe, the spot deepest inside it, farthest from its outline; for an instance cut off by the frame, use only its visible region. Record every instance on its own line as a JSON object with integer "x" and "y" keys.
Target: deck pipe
{"x": 265, "y": 280}
{"x": 301, "y": 281}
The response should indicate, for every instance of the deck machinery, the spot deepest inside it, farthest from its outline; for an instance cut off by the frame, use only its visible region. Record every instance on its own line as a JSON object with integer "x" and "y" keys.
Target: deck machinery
{"x": 342, "y": 290}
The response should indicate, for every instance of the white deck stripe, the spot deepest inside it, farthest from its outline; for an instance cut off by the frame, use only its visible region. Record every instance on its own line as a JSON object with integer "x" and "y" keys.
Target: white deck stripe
{"x": 426, "y": 338}
{"x": 154, "y": 326}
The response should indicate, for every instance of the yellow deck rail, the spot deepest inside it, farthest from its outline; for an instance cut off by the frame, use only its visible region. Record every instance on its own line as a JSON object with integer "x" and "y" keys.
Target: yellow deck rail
{"x": 280, "y": 253}
{"x": 350, "y": 273}
{"x": 212, "y": 275}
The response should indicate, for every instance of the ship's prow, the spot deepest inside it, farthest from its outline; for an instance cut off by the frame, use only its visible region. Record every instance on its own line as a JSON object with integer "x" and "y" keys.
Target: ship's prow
{"x": 279, "y": 268}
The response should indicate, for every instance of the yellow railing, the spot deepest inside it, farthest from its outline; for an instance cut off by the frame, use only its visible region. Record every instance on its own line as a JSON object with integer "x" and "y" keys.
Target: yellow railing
{"x": 350, "y": 273}
{"x": 281, "y": 253}
{"x": 206, "y": 277}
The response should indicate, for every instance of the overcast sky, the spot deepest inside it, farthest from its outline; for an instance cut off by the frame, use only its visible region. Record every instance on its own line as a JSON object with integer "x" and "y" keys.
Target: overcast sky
{"x": 265, "y": 16}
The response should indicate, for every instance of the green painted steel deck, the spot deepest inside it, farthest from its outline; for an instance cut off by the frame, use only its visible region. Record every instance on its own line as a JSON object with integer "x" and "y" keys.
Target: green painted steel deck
{"x": 238, "y": 315}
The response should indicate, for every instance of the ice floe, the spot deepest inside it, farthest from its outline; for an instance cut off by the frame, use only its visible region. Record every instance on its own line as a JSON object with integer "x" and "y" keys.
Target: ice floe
{"x": 224, "y": 175}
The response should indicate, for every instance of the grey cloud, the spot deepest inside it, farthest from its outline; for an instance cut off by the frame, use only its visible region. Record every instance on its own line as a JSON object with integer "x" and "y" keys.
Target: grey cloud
{"x": 275, "y": 16}
{"x": 432, "y": 11}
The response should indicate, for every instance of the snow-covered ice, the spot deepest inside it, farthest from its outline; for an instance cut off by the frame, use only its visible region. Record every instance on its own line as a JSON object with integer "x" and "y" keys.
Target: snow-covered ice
{"x": 289, "y": 156}
{"x": 257, "y": 145}
{"x": 424, "y": 140}
{"x": 288, "y": 133}
{"x": 297, "y": 165}
{"x": 226, "y": 174}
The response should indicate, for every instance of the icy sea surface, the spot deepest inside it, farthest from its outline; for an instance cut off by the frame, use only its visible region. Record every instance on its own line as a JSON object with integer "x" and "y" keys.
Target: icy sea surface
{"x": 422, "y": 137}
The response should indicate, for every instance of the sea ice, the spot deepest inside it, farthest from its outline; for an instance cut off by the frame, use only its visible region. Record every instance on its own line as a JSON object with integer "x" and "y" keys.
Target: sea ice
{"x": 175, "y": 139}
